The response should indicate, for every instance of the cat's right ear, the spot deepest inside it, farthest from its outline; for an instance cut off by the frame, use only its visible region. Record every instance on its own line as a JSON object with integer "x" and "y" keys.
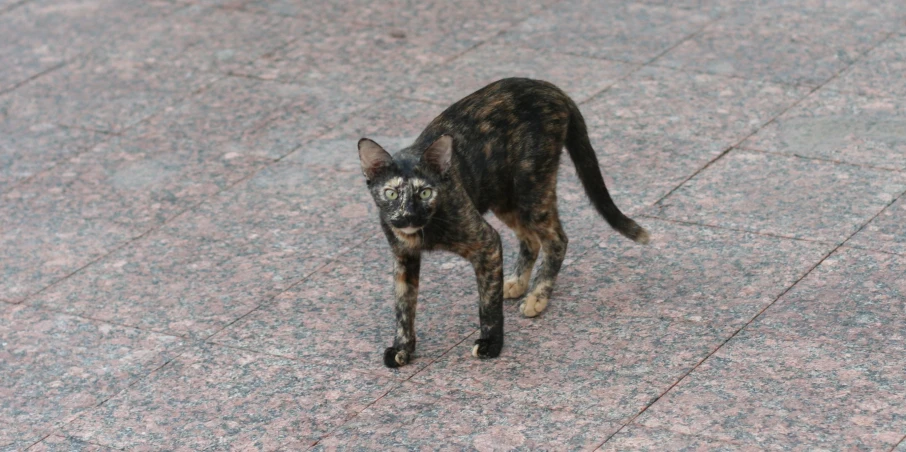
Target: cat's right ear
{"x": 373, "y": 157}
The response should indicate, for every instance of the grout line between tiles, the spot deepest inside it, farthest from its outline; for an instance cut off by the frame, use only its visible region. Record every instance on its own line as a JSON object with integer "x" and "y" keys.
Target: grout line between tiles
{"x": 746, "y": 231}
{"x": 808, "y": 272}
{"x": 820, "y": 159}
{"x": 291, "y": 286}
{"x": 191, "y": 208}
{"x": 401, "y": 383}
{"x": 902, "y": 441}
{"x": 716, "y": 349}
{"x": 744, "y": 326}
{"x": 181, "y": 350}
{"x": 770, "y": 121}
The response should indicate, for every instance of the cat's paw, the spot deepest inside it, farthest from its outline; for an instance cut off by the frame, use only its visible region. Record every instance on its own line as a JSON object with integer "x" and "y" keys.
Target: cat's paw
{"x": 513, "y": 288}
{"x": 394, "y": 357}
{"x": 487, "y": 348}
{"x": 533, "y": 305}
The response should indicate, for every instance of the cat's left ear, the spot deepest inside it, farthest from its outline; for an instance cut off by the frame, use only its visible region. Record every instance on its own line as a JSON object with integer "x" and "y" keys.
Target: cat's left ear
{"x": 439, "y": 155}
{"x": 373, "y": 157}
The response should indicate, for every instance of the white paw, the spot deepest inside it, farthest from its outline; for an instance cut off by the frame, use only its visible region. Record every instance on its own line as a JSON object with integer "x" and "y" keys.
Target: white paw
{"x": 533, "y": 305}
{"x": 475, "y": 351}
{"x": 513, "y": 288}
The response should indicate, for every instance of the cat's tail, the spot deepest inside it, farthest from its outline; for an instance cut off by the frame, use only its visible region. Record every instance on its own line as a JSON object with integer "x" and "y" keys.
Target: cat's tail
{"x": 586, "y": 162}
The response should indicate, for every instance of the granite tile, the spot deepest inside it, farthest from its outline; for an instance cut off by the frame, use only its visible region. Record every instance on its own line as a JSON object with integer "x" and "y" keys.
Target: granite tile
{"x": 391, "y": 122}
{"x": 58, "y": 366}
{"x": 46, "y": 244}
{"x": 606, "y": 368}
{"x": 459, "y": 20}
{"x": 580, "y": 77}
{"x": 56, "y": 442}
{"x": 414, "y": 417}
{"x": 713, "y": 8}
{"x": 878, "y": 73}
{"x": 855, "y": 297}
{"x": 28, "y": 148}
{"x": 254, "y": 119}
{"x": 787, "y": 44}
{"x": 635, "y": 437}
{"x": 767, "y": 391}
{"x": 688, "y": 273}
{"x": 16, "y": 437}
{"x": 361, "y": 63}
{"x": 656, "y": 128}
{"x": 840, "y": 126}
{"x": 40, "y": 35}
{"x": 220, "y": 398}
{"x": 715, "y": 112}
{"x": 631, "y": 32}
{"x": 886, "y": 232}
{"x": 343, "y": 314}
{"x": 132, "y": 183}
{"x": 216, "y": 264}
{"x": 901, "y": 446}
{"x": 208, "y": 38}
{"x": 789, "y": 196}
{"x": 105, "y": 94}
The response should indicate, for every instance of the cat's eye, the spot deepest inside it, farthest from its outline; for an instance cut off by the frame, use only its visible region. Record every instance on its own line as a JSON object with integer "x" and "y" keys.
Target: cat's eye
{"x": 426, "y": 193}
{"x": 391, "y": 194}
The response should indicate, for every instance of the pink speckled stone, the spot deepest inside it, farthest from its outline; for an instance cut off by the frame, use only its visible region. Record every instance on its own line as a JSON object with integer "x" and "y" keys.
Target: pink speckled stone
{"x": 581, "y": 78}
{"x": 656, "y": 128}
{"x": 42, "y": 35}
{"x": 840, "y": 126}
{"x": 28, "y": 148}
{"x": 886, "y": 232}
{"x": 635, "y": 437}
{"x": 767, "y": 390}
{"x": 56, "y": 367}
{"x": 854, "y": 297}
{"x": 417, "y": 417}
{"x": 344, "y": 313}
{"x": 56, "y": 442}
{"x": 632, "y": 32}
{"x": 783, "y": 43}
{"x": 789, "y": 196}
{"x": 106, "y": 94}
{"x": 215, "y": 265}
{"x": 214, "y": 397}
{"x": 393, "y": 123}
{"x": 689, "y": 273}
{"x": 605, "y": 368}
{"x": 879, "y": 73}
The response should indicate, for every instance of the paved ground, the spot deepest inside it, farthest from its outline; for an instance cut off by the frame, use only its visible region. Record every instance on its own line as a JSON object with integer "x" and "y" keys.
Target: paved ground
{"x": 190, "y": 259}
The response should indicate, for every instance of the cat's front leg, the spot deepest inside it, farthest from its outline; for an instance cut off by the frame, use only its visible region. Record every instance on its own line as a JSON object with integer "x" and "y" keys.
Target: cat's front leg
{"x": 405, "y": 282}
{"x": 487, "y": 260}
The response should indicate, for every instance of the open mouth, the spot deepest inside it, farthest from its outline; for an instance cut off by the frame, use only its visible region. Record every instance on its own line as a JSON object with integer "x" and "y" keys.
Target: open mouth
{"x": 408, "y": 230}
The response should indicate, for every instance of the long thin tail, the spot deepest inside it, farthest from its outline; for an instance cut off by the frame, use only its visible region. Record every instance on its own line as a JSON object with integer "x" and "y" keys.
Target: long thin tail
{"x": 583, "y": 156}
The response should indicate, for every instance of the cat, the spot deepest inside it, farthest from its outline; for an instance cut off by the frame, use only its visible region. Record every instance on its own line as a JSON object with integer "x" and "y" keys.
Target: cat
{"x": 497, "y": 149}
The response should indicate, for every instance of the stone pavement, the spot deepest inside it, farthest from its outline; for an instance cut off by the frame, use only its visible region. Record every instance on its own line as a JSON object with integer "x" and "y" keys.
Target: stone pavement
{"x": 190, "y": 260}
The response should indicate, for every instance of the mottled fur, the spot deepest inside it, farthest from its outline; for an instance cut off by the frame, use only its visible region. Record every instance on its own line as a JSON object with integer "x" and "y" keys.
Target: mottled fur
{"x": 498, "y": 149}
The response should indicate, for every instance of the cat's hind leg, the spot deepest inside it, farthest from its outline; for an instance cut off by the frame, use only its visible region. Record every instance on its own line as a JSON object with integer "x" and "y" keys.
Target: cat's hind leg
{"x": 516, "y": 284}
{"x": 553, "y": 243}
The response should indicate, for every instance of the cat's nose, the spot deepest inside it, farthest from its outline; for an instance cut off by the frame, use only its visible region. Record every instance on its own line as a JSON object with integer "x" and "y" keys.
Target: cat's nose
{"x": 401, "y": 221}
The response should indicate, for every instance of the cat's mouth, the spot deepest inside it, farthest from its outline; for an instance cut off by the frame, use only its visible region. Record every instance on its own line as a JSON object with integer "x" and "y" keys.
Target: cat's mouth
{"x": 408, "y": 230}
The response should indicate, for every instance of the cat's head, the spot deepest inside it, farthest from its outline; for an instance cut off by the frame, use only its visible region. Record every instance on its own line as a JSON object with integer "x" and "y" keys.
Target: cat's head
{"x": 407, "y": 190}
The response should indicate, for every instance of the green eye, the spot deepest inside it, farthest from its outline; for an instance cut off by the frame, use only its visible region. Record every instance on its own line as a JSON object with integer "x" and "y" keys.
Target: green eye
{"x": 391, "y": 194}
{"x": 426, "y": 193}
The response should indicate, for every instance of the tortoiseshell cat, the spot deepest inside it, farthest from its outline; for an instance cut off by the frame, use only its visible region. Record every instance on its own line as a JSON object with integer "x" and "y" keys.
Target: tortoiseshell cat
{"x": 498, "y": 149}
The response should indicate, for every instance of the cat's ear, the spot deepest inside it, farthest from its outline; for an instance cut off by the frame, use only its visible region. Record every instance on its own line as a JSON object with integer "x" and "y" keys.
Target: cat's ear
{"x": 373, "y": 157}
{"x": 438, "y": 156}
